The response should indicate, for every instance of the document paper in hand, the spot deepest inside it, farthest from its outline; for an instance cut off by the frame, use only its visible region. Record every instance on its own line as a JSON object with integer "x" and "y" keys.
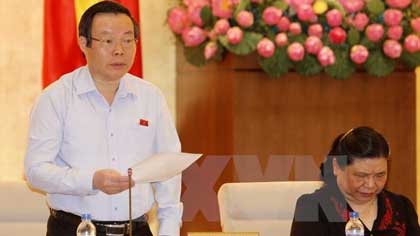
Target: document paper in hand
{"x": 162, "y": 166}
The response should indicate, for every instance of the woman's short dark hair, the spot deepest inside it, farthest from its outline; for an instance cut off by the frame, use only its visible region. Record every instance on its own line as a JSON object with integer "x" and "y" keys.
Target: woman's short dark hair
{"x": 85, "y": 25}
{"x": 358, "y": 143}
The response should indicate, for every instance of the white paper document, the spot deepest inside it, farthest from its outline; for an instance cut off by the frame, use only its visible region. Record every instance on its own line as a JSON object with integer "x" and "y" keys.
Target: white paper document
{"x": 162, "y": 166}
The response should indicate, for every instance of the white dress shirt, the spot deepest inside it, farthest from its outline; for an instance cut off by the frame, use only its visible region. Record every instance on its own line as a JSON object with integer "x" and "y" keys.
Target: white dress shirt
{"x": 74, "y": 132}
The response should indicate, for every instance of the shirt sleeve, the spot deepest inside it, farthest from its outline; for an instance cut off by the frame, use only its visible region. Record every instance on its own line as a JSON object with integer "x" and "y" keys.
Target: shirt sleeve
{"x": 413, "y": 228}
{"x": 41, "y": 166}
{"x": 168, "y": 193}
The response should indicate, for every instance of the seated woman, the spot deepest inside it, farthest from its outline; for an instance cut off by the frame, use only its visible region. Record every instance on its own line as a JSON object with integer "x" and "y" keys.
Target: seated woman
{"x": 354, "y": 175}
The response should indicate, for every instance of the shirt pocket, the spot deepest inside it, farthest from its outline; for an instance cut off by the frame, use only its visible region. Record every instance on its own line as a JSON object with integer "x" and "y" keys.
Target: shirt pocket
{"x": 139, "y": 141}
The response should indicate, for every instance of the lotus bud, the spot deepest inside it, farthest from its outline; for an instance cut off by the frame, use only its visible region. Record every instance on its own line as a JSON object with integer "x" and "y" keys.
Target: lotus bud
{"x": 282, "y": 39}
{"x": 283, "y": 24}
{"x": 315, "y": 30}
{"x": 245, "y": 19}
{"x": 395, "y": 32}
{"x": 295, "y": 28}
{"x": 221, "y": 26}
{"x": 337, "y": 35}
{"x": 412, "y": 43}
{"x": 392, "y": 48}
{"x": 193, "y": 36}
{"x": 210, "y": 50}
{"x": 305, "y": 12}
{"x": 326, "y": 56}
{"x": 360, "y": 21}
{"x": 392, "y": 17}
{"x": 334, "y": 18}
{"x": 235, "y": 35}
{"x": 178, "y": 20}
{"x": 401, "y": 4}
{"x": 296, "y": 51}
{"x": 271, "y": 15}
{"x": 266, "y": 48}
{"x": 374, "y": 32}
{"x": 359, "y": 54}
{"x": 313, "y": 45}
{"x": 352, "y": 6}
{"x": 415, "y": 24}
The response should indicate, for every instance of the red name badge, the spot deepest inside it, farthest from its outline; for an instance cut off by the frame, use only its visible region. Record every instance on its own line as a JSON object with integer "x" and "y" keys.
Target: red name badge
{"x": 143, "y": 122}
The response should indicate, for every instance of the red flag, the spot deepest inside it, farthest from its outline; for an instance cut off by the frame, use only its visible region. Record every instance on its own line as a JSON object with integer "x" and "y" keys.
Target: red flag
{"x": 61, "y": 51}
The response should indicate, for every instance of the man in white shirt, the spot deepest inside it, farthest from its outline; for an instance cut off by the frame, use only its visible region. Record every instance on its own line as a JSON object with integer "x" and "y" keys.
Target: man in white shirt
{"x": 93, "y": 124}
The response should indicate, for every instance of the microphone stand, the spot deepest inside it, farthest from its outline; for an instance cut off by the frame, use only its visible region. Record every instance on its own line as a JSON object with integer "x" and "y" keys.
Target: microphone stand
{"x": 130, "y": 228}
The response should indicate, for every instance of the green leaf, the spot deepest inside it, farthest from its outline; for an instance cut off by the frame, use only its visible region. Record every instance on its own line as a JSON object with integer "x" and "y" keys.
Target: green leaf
{"x": 277, "y": 65}
{"x": 375, "y": 7}
{"x": 353, "y": 36}
{"x": 411, "y": 60}
{"x": 378, "y": 64}
{"x": 243, "y": 4}
{"x": 195, "y": 55}
{"x": 343, "y": 67}
{"x": 206, "y": 16}
{"x": 246, "y": 46}
{"x": 308, "y": 66}
{"x": 280, "y": 4}
{"x": 369, "y": 44}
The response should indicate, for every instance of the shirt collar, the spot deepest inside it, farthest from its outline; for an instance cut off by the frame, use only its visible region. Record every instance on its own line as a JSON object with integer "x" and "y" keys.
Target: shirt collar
{"x": 84, "y": 84}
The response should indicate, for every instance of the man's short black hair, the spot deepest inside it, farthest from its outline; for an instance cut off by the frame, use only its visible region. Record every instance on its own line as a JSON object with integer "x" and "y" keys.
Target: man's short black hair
{"x": 85, "y": 25}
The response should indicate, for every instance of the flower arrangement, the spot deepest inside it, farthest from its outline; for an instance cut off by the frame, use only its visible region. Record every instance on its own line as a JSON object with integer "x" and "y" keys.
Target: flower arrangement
{"x": 309, "y": 36}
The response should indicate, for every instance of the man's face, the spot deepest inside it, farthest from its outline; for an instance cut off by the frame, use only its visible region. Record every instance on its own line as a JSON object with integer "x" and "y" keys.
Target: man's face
{"x": 113, "y": 47}
{"x": 361, "y": 181}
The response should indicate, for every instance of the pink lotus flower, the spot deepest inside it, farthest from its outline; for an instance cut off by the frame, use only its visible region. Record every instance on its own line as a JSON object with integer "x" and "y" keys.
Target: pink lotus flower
{"x": 393, "y": 17}
{"x": 194, "y": 13}
{"x": 315, "y": 30}
{"x": 296, "y": 3}
{"x": 395, "y": 32}
{"x": 352, "y": 6}
{"x": 271, "y": 15}
{"x": 281, "y": 39}
{"x": 313, "y": 45}
{"x": 415, "y": 24}
{"x": 337, "y": 35}
{"x": 245, "y": 19}
{"x": 326, "y": 56}
{"x": 374, "y": 32}
{"x": 401, "y": 4}
{"x": 283, "y": 24}
{"x": 266, "y": 48}
{"x": 178, "y": 20}
{"x": 360, "y": 21}
{"x": 235, "y": 35}
{"x": 359, "y": 54}
{"x": 193, "y": 36}
{"x": 296, "y": 51}
{"x": 210, "y": 50}
{"x": 295, "y": 28}
{"x": 222, "y": 8}
{"x": 221, "y": 26}
{"x": 412, "y": 43}
{"x": 334, "y": 17}
{"x": 196, "y": 3}
{"x": 392, "y": 48}
{"x": 305, "y": 12}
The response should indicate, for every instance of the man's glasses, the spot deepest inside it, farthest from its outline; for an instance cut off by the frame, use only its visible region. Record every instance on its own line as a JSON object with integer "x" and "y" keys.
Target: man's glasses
{"x": 110, "y": 43}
